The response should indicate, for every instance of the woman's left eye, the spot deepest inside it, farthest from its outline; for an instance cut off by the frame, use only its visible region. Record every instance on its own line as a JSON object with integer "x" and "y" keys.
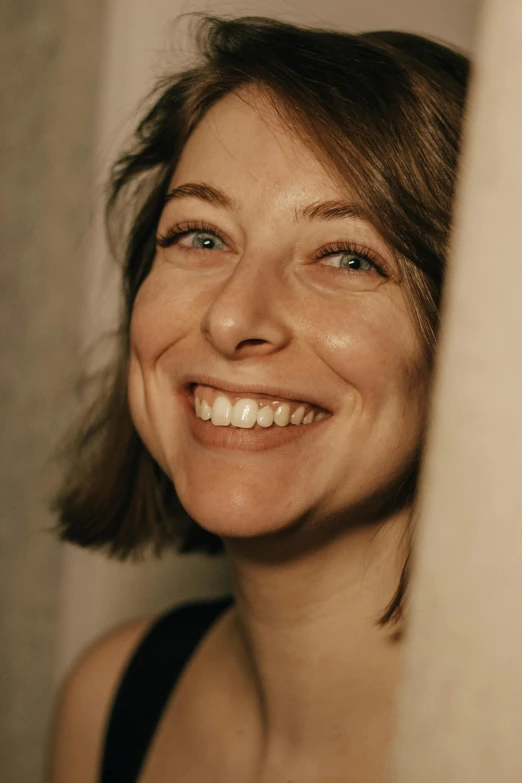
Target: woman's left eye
{"x": 349, "y": 260}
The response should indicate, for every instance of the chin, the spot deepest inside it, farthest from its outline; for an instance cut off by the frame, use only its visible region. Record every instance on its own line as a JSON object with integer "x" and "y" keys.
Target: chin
{"x": 242, "y": 512}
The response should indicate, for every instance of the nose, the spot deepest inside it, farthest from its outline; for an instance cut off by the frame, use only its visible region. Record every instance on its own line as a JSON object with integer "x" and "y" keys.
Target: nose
{"x": 245, "y": 317}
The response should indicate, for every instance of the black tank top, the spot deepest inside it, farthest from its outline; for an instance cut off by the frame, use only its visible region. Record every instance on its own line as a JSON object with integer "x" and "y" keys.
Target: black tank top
{"x": 147, "y": 683}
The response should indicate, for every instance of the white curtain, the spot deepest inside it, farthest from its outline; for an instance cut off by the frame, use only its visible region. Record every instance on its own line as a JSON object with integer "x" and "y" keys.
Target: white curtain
{"x": 461, "y": 706}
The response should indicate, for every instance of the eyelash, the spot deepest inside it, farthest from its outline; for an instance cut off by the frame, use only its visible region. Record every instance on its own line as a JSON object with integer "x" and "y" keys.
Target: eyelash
{"x": 173, "y": 234}
{"x": 347, "y": 246}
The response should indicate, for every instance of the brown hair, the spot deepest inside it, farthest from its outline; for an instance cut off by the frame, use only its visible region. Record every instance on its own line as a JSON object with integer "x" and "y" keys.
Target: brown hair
{"x": 384, "y": 109}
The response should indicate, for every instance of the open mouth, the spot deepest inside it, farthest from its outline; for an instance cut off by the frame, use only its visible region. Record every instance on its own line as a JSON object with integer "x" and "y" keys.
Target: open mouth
{"x": 252, "y": 411}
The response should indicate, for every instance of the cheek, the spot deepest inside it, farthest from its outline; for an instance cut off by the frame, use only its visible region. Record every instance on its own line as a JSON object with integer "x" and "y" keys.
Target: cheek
{"x": 160, "y": 316}
{"x": 156, "y": 324}
{"x": 373, "y": 347}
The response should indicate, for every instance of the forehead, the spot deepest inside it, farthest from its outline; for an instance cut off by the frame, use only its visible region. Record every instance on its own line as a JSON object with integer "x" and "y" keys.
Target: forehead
{"x": 243, "y": 144}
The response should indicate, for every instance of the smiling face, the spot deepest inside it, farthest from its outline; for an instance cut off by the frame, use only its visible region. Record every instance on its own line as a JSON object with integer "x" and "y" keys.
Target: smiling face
{"x": 269, "y": 286}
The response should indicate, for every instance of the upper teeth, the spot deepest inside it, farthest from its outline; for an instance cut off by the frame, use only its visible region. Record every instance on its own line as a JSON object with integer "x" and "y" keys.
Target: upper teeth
{"x": 247, "y": 412}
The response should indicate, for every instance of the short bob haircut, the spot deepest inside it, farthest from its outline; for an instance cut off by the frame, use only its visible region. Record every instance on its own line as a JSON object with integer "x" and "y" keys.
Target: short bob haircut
{"x": 383, "y": 110}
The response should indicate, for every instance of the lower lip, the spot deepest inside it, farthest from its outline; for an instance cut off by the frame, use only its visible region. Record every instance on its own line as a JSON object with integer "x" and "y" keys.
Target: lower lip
{"x": 239, "y": 439}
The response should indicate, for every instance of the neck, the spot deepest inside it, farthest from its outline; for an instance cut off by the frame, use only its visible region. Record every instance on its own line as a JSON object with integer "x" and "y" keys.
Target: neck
{"x": 308, "y": 626}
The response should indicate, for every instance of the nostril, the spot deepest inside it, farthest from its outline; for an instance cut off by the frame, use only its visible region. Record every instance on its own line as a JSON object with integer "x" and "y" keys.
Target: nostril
{"x": 249, "y": 343}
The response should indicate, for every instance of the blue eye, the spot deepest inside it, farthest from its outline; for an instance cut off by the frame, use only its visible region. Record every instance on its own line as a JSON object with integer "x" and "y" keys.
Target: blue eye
{"x": 348, "y": 260}
{"x": 191, "y": 236}
{"x": 204, "y": 240}
{"x": 357, "y": 263}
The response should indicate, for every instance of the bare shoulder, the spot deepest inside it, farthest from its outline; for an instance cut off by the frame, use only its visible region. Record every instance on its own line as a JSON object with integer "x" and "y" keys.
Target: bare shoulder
{"x": 84, "y": 703}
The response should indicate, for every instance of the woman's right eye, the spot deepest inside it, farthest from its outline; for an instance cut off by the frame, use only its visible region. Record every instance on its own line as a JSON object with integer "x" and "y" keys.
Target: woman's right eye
{"x": 191, "y": 237}
{"x": 202, "y": 240}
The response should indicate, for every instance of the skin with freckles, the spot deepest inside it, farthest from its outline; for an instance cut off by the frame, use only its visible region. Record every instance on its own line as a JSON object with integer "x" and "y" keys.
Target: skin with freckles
{"x": 256, "y": 285}
{"x": 259, "y": 304}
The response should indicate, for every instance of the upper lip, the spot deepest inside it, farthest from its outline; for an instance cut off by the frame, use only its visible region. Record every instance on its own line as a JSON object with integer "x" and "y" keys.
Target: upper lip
{"x": 274, "y": 392}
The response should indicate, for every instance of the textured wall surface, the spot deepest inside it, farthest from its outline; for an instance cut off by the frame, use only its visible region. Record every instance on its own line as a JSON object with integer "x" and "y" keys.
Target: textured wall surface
{"x": 48, "y": 82}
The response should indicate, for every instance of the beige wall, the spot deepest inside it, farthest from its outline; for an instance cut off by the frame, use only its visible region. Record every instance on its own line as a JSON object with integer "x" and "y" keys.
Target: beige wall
{"x": 56, "y": 295}
{"x": 50, "y": 54}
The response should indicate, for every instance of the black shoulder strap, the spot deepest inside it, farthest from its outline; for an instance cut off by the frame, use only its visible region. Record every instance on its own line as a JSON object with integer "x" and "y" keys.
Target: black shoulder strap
{"x": 147, "y": 684}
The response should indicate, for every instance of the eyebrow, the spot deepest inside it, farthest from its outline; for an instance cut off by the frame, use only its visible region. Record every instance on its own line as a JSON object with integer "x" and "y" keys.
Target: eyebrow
{"x": 322, "y": 210}
{"x": 203, "y": 191}
{"x": 331, "y": 210}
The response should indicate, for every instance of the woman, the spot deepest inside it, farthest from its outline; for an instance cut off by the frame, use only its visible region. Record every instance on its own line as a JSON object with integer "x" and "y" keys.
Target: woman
{"x": 290, "y": 200}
